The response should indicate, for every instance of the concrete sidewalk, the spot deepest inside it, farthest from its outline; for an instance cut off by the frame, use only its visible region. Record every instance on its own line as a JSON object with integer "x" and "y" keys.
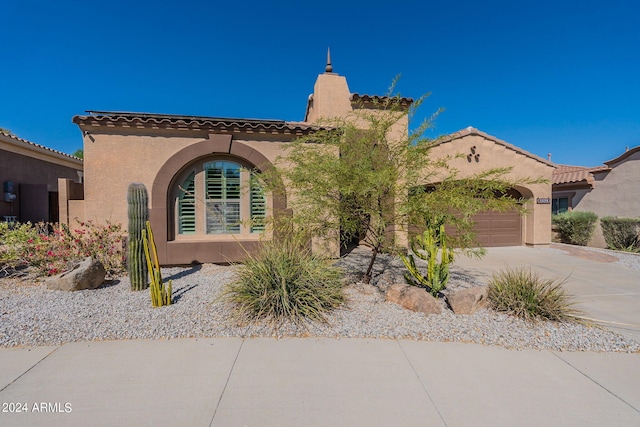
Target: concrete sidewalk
{"x": 604, "y": 291}
{"x": 314, "y": 382}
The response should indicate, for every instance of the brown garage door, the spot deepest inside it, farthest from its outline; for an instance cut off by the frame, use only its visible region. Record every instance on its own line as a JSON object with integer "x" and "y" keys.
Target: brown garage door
{"x": 498, "y": 228}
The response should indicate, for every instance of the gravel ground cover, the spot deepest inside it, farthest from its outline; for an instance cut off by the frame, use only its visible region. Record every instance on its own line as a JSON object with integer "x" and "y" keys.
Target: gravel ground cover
{"x": 31, "y": 315}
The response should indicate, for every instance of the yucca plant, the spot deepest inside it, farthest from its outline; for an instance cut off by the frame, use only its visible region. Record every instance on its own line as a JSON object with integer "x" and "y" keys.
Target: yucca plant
{"x": 523, "y": 293}
{"x": 284, "y": 280}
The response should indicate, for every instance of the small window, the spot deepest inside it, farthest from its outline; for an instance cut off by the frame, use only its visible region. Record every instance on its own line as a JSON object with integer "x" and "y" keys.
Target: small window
{"x": 559, "y": 205}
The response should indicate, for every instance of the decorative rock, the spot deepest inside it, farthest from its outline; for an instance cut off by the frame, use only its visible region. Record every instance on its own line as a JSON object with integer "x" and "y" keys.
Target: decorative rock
{"x": 468, "y": 301}
{"x": 413, "y": 298}
{"x": 87, "y": 274}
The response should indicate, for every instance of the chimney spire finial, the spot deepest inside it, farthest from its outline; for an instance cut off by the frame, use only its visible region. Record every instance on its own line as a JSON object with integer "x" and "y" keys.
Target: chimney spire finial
{"x": 328, "y": 68}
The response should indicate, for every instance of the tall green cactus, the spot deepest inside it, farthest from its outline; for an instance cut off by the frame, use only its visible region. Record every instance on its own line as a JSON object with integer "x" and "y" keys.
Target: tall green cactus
{"x": 138, "y": 200}
{"x": 429, "y": 247}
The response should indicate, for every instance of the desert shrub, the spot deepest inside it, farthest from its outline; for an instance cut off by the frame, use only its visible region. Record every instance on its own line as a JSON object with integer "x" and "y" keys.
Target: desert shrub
{"x": 525, "y": 294}
{"x": 49, "y": 249}
{"x": 284, "y": 280}
{"x": 575, "y": 227}
{"x": 622, "y": 234}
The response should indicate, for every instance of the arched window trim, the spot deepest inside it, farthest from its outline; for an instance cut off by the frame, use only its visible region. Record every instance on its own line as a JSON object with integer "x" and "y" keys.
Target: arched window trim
{"x": 199, "y": 188}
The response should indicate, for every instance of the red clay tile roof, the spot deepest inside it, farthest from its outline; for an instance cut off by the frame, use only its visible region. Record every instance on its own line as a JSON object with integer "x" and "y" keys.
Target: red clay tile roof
{"x": 36, "y": 147}
{"x": 566, "y": 174}
{"x": 371, "y": 99}
{"x": 170, "y": 121}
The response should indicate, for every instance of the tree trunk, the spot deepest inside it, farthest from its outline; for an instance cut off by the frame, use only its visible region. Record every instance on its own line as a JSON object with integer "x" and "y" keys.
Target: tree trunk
{"x": 367, "y": 276}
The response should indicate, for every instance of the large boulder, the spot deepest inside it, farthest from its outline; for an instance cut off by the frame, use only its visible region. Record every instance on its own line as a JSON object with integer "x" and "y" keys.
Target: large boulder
{"x": 413, "y": 298}
{"x": 87, "y": 274}
{"x": 468, "y": 301}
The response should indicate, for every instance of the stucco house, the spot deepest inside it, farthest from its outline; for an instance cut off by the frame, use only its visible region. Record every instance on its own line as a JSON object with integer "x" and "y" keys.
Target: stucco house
{"x": 608, "y": 190}
{"x": 194, "y": 168}
{"x": 29, "y": 175}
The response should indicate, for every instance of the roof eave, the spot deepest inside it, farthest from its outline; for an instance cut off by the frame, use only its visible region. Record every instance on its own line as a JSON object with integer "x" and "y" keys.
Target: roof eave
{"x": 623, "y": 156}
{"x": 473, "y": 131}
{"x": 67, "y": 159}
{"x": 168, "y": 121}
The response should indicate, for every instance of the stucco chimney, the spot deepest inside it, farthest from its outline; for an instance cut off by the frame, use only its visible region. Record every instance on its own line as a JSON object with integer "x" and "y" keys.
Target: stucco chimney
{"x": 331, "y": 96}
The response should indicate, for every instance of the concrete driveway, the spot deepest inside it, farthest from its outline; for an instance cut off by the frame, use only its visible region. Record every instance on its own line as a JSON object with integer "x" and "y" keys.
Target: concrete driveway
{"x": 604, "y": 291}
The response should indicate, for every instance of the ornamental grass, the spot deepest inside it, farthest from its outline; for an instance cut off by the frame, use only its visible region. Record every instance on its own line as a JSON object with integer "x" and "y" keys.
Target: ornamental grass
{"x": 285, "y": 281}
{"x": 523, "y": 293}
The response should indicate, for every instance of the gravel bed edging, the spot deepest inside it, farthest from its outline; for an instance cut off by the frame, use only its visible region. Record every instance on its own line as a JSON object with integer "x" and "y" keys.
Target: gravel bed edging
{"x": 32, "y": 315}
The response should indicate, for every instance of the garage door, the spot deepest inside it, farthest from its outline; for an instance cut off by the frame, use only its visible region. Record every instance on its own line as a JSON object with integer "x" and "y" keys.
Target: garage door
{"x": 498, "y": 228}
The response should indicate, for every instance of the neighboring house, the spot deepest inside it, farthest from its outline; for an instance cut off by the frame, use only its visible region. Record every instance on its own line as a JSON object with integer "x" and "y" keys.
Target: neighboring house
{"x": 29, "y": 177}
{"x": 609, "y": 190}
{"x": 195, "y": 167}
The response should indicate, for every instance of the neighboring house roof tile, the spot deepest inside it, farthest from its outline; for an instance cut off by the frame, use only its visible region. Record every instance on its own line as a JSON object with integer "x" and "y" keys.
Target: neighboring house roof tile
{"x": 473, "y": 131}
{"x": 566, "y": 174}
{"x": 8, "y": 137}
{"x": 170, "y": 121}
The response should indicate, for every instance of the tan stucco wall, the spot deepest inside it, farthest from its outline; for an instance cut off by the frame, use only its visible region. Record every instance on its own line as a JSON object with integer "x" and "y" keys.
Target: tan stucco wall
{"x": 536, "y": 226}
{"x": 331, "y": 98}
{"x": 616, "y": 193}
{"x": 114, "y": 160}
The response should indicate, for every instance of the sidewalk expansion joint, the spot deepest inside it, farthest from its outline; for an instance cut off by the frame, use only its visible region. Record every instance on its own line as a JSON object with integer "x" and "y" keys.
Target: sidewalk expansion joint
{"x": 224, "y": 389}
{"x": 596, "y": 382}
{"x": 421, "y": 383}
{"x": 27, "y": 371}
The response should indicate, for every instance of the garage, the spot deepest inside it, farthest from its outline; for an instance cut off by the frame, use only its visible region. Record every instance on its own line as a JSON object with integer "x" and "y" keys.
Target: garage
{"x": 498, "y": 228}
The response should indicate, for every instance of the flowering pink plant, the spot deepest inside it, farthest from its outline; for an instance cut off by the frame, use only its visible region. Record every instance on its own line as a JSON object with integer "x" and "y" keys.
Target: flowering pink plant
{"x": 51, "y": 248}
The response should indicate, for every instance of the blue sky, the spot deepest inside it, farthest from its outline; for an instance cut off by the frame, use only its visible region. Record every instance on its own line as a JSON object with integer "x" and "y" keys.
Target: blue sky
{"x": 560, "y": 77}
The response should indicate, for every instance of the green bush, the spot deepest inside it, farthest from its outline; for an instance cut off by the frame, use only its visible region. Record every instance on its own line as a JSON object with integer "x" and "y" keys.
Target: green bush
{"x": 284, "y": 280}
{"x": 622, "y": 234}
{"x": 575, "y": 227}
{"x": 524, "y": 294}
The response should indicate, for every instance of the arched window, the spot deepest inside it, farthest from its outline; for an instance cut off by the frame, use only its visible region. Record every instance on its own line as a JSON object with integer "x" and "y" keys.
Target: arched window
{"x": 216, "y": 197}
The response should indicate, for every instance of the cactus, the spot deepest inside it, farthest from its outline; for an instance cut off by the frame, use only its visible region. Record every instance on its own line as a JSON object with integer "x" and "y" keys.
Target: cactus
{"x": 160, "y": 294}
{"x": 138, "y": 213}
{"x": 427, "y": 247}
